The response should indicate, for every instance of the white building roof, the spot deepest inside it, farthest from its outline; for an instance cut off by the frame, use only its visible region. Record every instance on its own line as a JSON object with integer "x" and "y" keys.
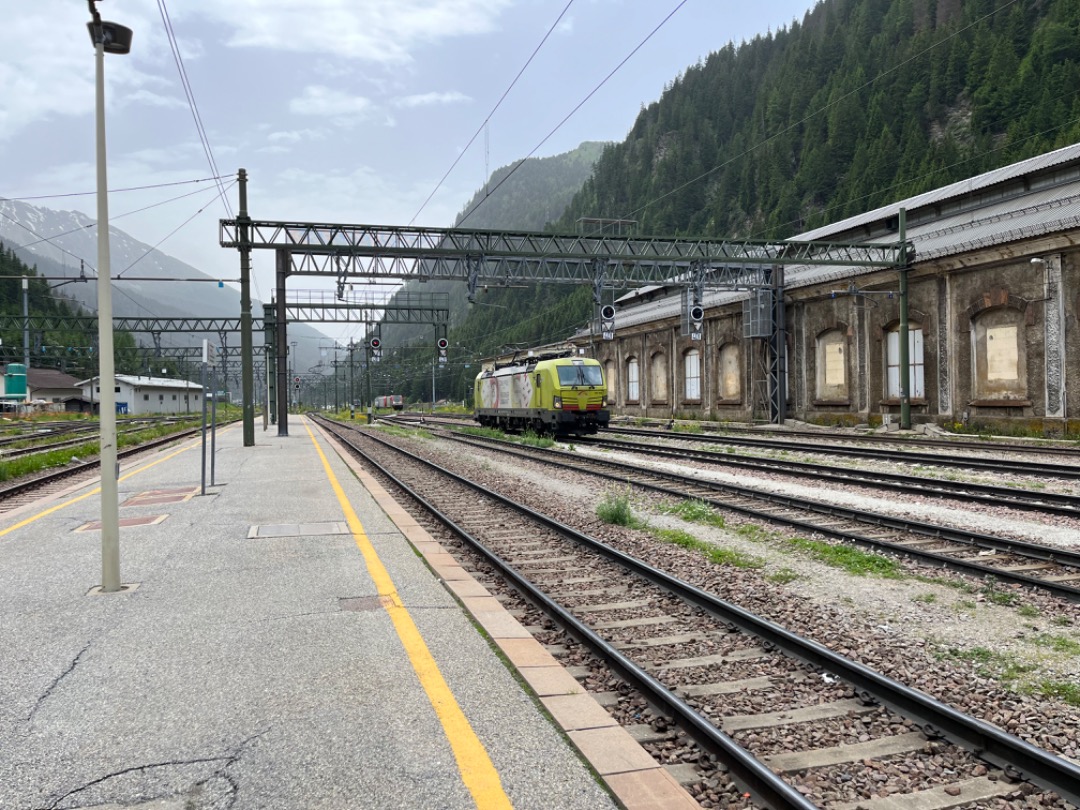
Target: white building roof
{"x": 151, "y": 382}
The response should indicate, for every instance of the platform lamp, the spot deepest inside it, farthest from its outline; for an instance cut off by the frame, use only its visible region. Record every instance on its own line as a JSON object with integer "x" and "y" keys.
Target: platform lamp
{"x": 107, "y": 37}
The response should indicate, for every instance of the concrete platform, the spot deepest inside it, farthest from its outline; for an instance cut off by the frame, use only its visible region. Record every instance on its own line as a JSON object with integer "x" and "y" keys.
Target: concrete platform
{"x": 283, "y": 643}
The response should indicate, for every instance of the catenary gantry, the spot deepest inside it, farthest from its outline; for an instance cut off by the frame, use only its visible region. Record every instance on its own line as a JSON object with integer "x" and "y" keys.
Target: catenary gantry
{"x": 342, "y": 251}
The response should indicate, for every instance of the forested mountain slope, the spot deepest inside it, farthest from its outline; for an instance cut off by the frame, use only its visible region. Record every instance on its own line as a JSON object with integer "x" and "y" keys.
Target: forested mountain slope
{"x": 862, "y": 103}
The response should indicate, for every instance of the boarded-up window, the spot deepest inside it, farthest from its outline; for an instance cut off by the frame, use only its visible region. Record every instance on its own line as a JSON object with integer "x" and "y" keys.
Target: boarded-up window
{"x": 692, "y": 374}
{"x": 835, "y": 367}
{"x": 730, "y": 379}
{"x": 832, "y": 376}
{"x": 917, "y": 377}
{"x": 658, "y": 377}
{"x": 1002, "y": 355}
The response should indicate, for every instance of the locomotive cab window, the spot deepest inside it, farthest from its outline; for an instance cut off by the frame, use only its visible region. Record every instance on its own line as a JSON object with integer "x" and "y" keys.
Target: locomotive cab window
{"x": 580, "y": 375}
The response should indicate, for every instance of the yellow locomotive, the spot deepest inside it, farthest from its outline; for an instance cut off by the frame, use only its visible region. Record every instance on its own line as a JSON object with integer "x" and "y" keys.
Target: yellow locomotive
{"x": 552, "y": 394}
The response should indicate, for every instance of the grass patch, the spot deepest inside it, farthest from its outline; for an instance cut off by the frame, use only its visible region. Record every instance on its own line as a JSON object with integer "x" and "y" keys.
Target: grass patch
{"x": 752, "y": 532}
{"x": 1061, "y": 621}
{"x": 692, "y": 427}
{"x": 694, "y": 511}
{"x": 990, "y": 664}
{"x": 1061, "y": 644}
{"x": 783, "y": 576}
{"x": 615, "y": 509}
{"x": 993, "y": 595}
{"x": 714, "y": 554}
{"x": 1027, "y": 611}
{"x": 846, "y": 558}
{"x": 926, "y": 598}
{"x": 1065, "y": 691}
{"x": 529, "y": 438}
{"x": 483, "y": 432}
{"x": 533, "y": 439}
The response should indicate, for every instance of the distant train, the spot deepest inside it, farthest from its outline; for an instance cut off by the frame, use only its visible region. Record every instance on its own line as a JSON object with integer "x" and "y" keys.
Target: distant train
{"x": 390, "y": 401}
{"x": 559, "y": 395}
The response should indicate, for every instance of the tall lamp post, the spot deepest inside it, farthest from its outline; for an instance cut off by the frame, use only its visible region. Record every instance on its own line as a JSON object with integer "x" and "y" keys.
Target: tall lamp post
{"x": 107, "y": 37}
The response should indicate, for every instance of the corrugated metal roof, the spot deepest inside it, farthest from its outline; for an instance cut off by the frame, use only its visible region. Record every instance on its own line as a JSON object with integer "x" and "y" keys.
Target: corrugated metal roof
{"x": 1043, "y": 210}
{"x": 1033, "y": 165}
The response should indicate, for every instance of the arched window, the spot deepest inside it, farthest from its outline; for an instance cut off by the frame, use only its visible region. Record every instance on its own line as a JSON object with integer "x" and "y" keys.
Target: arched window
{"x": 832, "y": 376}
{"x": 658, "y": 377}
{"x": 1000, "y": 354}
{"x": 916, "y": 378}
{"x": 692, "y": 375}
{"x": 730, "y": 375}
{"x": 633, "y": 388}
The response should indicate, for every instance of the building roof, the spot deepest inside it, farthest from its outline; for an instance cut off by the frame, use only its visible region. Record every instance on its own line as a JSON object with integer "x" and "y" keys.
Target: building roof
{"x": 1031, "y": 198}
{"x": 50, "y": 378}
{"x": 151, "y": 382}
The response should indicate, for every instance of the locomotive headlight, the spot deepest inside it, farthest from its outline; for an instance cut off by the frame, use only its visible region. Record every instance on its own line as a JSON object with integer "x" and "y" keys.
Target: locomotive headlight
{"x": 556, "y": 402}
{"x": 603, "y": 402}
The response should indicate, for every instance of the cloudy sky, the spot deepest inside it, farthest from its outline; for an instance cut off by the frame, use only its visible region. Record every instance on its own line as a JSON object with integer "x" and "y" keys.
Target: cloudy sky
{"x": 340, "y": 110}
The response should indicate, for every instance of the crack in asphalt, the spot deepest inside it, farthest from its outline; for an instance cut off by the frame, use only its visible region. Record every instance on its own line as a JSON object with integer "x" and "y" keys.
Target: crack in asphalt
{"x": 56, "y": 682}
{"x": 222, "y": 763}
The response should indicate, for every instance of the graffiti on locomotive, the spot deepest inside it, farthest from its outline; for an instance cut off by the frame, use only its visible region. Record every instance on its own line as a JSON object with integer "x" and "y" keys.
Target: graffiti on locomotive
{"x": 557, "y": 394}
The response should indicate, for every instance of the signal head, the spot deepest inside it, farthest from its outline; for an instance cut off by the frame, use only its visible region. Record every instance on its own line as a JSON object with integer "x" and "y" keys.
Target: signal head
{"x": 607, "y": 312}
{"x": 375, "y": 343}
{"x": 442, "y": 343}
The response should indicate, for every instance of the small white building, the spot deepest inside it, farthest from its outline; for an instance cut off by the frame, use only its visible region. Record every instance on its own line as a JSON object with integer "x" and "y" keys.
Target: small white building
{"x": 148, "y": 395}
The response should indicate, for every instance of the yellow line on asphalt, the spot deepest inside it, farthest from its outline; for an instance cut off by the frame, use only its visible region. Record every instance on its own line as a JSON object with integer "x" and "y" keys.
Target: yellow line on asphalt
{"x": 94, "y": 491}
{"x": 477, "y": 771}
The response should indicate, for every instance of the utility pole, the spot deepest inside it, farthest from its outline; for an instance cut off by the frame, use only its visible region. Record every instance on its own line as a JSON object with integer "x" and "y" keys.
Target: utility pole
{"x": 247, "y": 383}
{"x": 905, "y": 357}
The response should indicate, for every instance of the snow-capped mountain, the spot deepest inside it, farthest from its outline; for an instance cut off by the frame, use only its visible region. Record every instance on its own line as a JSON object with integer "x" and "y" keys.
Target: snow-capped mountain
{"x": 55, "y": 241}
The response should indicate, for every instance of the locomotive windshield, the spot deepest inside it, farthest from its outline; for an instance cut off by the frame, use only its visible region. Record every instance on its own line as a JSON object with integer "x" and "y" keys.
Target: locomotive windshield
{"x": 580, "y": 375}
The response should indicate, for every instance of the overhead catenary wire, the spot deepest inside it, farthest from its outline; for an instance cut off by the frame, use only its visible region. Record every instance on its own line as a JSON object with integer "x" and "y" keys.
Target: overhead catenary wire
{"x": 151, "y": 186}
{"x": 482, "y": 127}
{"x": 111, "y": 217}
{"x": 570, "y": 114}
{"x": 222, "y": 193}
{"x": 189, "y": 93}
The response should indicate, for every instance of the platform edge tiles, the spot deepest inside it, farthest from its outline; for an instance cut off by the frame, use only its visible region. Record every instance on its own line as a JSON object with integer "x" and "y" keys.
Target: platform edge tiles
{"x": 635, "y": 779}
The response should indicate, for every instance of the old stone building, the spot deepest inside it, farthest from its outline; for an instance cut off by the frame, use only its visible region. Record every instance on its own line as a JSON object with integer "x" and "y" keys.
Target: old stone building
{"x": 993, "y": 296}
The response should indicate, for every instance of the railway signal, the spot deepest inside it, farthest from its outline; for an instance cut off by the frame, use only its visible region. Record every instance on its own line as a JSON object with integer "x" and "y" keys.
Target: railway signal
{"x": 607, "y": 322}
{"x": 442, "y": 344}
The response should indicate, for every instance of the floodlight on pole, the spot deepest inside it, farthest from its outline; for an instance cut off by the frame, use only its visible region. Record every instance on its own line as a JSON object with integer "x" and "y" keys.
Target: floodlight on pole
{"x": 106, "y": 37}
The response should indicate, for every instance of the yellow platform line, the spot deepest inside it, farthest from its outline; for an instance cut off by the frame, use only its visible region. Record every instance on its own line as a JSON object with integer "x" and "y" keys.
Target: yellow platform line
{"x": 477, "y": 771}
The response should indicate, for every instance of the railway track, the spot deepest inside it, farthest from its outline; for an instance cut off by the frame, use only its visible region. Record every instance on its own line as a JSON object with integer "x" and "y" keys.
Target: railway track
{"x": 1052, "y": 569}
{"x": 957, "y": 441}
{"x": 900, "y": 453}
{"x": 30, "y": 488}
{"x": 793, "y": 722}
{"x": 1037, "y": 500}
